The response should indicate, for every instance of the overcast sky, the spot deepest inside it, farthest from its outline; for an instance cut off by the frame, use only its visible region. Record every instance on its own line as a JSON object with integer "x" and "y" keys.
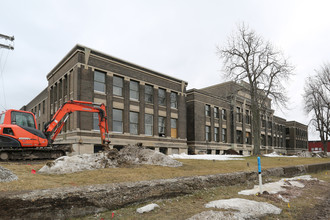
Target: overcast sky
{"x": 177, "y": 38}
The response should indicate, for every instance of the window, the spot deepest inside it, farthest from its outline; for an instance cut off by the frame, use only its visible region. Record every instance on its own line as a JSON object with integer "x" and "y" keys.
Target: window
{"x": 248, "y": 138}
{"x": 118, "y": 84}
{"x": 207, "y": 110}
{"x": 162, "y": 97}
{"x": 238, "y": 114}
{"x": 39, "y": 110}
{"x": 43, "y": 107}
{"x": 174, "y": 130}
{"x": 149, "y": 94}
{"x": 263, "y": 140}
{"x": 134, "y": 90}
{"x": 224, "y": 135}
{"x": 216, "y": 112}
{"x": 207, "y": 133}
{"x": 148, "y": 123}
{"x": 239, "y": 138}
{"x": 216, "y": 134}
{"x": 224, "y": 114}
{"x": 161, "y": 126}
{"x": 247, "y": 117}
{"x": 2, "y": 118}
{"x": 174, "y": 100}
{"x": 22, "y": 119}
{"x": 270, "y": 140}
{"x": 117, "y": 120}
{"x": 133, "y": 122}
{"x": 99, "y": 81}
{"x": 96, "y": 121}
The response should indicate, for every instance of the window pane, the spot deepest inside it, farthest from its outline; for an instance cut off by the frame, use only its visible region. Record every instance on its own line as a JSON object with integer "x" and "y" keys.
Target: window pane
{"x": 174, "y": 102}
{"x": 99, "y": 86}
{"x": 149, "y": 91}
{"x": 174, "y": 132}
{"x": 99, "y": 76}
{"x": 161, "y": 125}
{"x": 133, "y": 122}
{"x": 96, "y": 121}
{"x": 134, "y": 90}
{"x": 118, "y": 83}
{"x": 117, "y": 119}
{"x": 148, "y": 120}
{"x": 161, "y": 97}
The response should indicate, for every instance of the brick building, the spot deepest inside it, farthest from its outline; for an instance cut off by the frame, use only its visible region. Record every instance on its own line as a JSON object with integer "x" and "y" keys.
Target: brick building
{"x": 143, "y": 106}
{"x": 219, "y": 118}
{"x": 148, "y": 107}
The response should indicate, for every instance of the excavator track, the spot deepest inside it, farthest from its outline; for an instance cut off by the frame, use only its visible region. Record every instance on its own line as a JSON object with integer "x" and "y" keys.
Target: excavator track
{"x": 30, "y": 153}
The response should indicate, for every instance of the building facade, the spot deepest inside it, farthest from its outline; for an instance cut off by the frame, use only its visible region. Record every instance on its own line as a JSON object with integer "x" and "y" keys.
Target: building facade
{"x": 148, "y": 107}
{"x": 219, "y": 119}
{"x": 143, "y": 106}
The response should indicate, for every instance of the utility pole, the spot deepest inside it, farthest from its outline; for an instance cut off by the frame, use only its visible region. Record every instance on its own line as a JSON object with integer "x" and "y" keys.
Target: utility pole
{"x": 9, "y": 47}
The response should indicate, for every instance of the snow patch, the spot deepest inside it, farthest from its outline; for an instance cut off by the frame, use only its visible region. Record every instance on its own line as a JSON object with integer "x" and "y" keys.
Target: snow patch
{"x": 6, "y": 175}
{"x": 274, "y": 154}
{"x": 246, "y": 209}
{"x": 207, "y": 157}
{"x": 128, "y": 156}
{"x": 279, "y": 186}
{"x": 147, "y": 208}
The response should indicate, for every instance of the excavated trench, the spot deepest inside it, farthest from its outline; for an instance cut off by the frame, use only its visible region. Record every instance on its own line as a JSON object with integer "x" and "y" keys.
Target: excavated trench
{"x": 62, "y": 203}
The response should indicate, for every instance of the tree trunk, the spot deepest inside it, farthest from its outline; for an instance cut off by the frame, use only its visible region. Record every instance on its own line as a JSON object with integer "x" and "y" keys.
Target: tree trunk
{"x": 256, "y": 130}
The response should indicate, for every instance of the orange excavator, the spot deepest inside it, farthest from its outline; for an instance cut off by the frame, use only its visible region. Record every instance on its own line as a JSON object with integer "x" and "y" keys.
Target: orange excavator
{"x": 21, "y": 139}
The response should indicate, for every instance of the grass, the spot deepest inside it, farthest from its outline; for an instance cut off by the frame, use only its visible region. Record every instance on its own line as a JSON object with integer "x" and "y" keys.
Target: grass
{"x": 28, "y": 181}
{"x": 184, "y": 207}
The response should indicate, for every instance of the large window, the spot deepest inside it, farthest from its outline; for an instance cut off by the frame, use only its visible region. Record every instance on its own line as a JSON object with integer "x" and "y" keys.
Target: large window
{"x": 161, "y": 126}
{"x": 117, "y": 120}
{"x": 162, "y": 97}
{"x": 207, "y": 133}
{"x": 207, "y": 110}
{"x": 99, "y": 81}
{"x": 2, "y": 118}
{"x": 134, "y": 90}
{"x": 216, "y": 112}
{"x": 216, "y": 134}
{"x": 174, "y": 130}
{"x": 174, "y": 100}
{"x": 224, "y": 114}
{"x": 133, "y": 122}
{"x": 148, "y": 123}
{"x": 149, "y": 94}
{"x": 118, "y": 84}
{"x": 224, "y": 135}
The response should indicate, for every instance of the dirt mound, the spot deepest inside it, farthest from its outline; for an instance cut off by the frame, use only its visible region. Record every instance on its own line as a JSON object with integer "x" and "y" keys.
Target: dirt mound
{"x": 6, "y": 175}
{"x": 128, "y": 156}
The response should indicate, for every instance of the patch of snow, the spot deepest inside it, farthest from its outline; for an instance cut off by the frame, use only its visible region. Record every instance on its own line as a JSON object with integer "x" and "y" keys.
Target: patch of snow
{"x": 246, "y": 209}
{"x": 207, "y": 157}
{"x": 128, "y": 156}
{"x": 6, "y": 175}
{"x": 274, "y": 154}
{"x": 279, "y": 186}
{"x": 147, "y": 208}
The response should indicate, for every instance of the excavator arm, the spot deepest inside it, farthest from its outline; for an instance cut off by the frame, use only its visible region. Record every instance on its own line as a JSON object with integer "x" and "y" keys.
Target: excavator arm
{"x": 54, "y": 127}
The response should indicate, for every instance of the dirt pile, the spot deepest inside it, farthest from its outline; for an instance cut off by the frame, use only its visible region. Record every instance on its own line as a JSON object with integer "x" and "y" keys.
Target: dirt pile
{"x": 6, "y": 175}
{"x": 128, "y": 156}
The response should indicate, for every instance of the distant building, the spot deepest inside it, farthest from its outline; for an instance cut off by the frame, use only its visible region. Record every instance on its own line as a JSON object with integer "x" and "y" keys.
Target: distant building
{"x": 148, "y": 107}
{"x": 219, "y": 119}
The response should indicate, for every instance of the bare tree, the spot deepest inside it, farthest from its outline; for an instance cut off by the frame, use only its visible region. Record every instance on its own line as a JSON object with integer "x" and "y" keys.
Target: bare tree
{"x": 317, "y": 102}
{"x": 248, "y": 57}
